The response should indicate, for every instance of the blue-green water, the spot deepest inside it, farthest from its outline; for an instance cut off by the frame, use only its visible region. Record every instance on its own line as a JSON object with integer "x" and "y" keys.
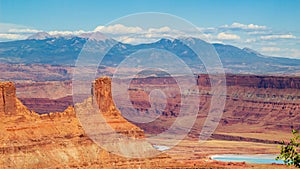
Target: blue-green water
{"x": 257, "y": 158}
{"x": 161, "y": 148}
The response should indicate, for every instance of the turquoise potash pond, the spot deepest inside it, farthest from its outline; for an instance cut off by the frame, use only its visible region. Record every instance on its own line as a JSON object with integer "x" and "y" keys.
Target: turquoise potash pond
{"x": 255, "y": 158}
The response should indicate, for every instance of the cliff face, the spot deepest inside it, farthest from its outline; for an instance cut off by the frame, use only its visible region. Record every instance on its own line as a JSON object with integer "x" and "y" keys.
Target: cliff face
{"x": 273, "y": 102}
{"x": 45, "y": 105}
{"x": 102, "y": 96}
{"x": 7, "y": 98}
{"x": 264, "y": 103}
{"x": 57, "y": 140}
{"x": 101, "y": 92}
{"x": 255, "y": 81}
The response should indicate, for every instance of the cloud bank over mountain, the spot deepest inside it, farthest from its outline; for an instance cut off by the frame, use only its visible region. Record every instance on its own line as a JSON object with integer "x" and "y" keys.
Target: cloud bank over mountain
{"x": 259, "y": 37}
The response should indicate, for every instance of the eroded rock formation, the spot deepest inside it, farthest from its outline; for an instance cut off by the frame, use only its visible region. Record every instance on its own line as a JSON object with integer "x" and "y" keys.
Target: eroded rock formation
{"x": 7, "y": 98}
{"x": 102, "y": 96}
{"x": 256, "y": 81}
{"x": 101, "y": 92}
{"x": 263, "y": 103}
{"x": 57, "y": 140}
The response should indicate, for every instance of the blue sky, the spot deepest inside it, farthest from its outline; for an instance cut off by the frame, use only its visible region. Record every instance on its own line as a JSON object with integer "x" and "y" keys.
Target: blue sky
{"x": 276, "y": 32}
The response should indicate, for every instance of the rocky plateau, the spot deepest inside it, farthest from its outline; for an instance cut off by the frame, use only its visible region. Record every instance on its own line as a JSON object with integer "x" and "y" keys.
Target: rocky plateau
{"x": 58, "y": 140}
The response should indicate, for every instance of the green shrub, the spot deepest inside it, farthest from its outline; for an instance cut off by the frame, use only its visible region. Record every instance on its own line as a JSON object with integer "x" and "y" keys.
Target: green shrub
{"x": 288, "y": 152}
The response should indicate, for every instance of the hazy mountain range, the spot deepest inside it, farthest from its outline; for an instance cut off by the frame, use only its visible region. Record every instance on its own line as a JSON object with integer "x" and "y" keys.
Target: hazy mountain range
{"x": 63, "y": 50}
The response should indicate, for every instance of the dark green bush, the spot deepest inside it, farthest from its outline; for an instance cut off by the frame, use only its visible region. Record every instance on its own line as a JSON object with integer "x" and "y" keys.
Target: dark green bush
{"x": 288, "y": 152}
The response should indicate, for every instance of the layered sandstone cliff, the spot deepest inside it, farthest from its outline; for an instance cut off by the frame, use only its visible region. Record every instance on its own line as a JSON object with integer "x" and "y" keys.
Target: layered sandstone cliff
{"x": 57, "y": 140}
{"x": 102, "y": 96}
{"x": 262, "y": 103}
{"x": 255, "y": 81}
{"x": 7, "y": 98}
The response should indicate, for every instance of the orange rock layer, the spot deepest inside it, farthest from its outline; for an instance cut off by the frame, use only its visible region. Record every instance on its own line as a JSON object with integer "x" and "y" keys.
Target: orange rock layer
{"x": 57, "y": 140}
{"x": 7, "y": 98}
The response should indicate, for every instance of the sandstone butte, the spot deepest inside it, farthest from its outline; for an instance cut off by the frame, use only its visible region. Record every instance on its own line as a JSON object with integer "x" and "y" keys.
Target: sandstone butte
{"x": 57, "y": 140}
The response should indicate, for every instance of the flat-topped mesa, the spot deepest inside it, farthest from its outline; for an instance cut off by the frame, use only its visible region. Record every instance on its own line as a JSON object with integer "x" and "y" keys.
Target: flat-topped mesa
{"x": 7, "y": 98}
{"x": 101, "y": 91}
{"x": 254, "y": 81}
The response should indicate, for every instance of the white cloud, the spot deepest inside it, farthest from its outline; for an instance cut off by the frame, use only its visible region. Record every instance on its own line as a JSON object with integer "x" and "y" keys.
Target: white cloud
{"x": 250, "y": 40}
{"x": 270, "y": 49}
{"x": 10, "y": 31}
{"x": 11, "y": 36}
{"x": 241, "y": 35}
{"x": 259, "y": 32}
{"x": 205, "y": 36}
{"x": 118, "y": 29}
{"x": 160, "y": 30}
{"x": 227, "y": 36}
{"x": 282, "y": 52}
{"x": 64, "y": 33}
{"x": 271, "y": 37}
{"x": 134, "y": 35}
{"x": 4, "y": 27}
{"x": 27, "y": 30}
{"x": 136, "y": 39}
{"x": 295, "y": 53}
{"x": 207, "y": 30}
{"x": 237, "y": 25}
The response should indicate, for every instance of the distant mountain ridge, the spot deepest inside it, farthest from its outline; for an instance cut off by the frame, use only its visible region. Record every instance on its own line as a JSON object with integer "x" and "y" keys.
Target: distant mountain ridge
{"x": 43, "y": 48}
{"x": 40, "y": 36}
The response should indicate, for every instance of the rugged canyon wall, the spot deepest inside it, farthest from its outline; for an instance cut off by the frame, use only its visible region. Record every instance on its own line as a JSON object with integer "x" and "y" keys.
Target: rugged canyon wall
{"x": 262, "y": 103}
{"x": 7, "y": 98}
{"x": 268, "y": 102}
{"x": 272, "y": 102}
{"x": 57, "y": 140}
{"x": 102, "y": 97}
{"x": 255, "y": 81}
